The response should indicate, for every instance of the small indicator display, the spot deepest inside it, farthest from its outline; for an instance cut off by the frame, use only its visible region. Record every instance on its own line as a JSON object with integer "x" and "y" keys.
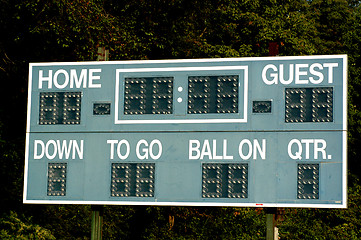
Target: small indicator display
{"x": 309, "y": 104}
{"x": 262, "y": 107}
{"x": 101, "y": 109}
{"x": 213, "y": 94}
{"x": 148, "y": 95}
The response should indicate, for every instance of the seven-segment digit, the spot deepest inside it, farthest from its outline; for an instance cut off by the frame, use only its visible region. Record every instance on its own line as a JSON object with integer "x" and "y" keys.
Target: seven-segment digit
{"x": 60, "y": 108}
{"x": 148, "y": 95}
{"x": 309, "y": 104}
{"x": 213, "y": 94}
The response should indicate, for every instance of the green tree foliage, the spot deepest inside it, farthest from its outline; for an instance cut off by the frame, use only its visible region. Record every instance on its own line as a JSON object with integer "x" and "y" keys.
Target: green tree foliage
{"x": 324, "y": 224}
{"x": 61, "y": 30}
{"x": 183, "y": 223}
{"x": 12, "y": 227}
{"x": 352, "y": 43}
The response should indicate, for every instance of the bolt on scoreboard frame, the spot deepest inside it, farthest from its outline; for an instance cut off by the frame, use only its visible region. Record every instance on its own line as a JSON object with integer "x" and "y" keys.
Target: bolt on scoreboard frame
{"x": 267, "y": 132}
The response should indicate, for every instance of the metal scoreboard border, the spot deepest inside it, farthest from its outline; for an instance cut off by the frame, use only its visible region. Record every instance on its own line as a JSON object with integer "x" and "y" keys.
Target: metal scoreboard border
{"x": 56, "y": 200}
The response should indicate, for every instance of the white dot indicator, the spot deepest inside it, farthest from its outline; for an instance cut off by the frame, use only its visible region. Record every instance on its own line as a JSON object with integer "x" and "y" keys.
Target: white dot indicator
{"x": 329, "y": 156}
{"x": 180, "y": 89}
{"x": 179, "y": 99}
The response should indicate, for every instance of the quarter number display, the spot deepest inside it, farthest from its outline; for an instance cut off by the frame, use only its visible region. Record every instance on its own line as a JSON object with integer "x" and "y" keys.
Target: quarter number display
{"x": 308, "y": 181}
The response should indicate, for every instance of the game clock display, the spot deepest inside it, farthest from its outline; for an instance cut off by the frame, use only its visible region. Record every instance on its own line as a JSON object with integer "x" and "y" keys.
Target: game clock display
{"x": 204, "y": 132}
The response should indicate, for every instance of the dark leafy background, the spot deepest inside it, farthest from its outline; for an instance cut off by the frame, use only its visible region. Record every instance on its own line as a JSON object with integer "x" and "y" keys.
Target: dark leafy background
{"x": 62, "y": 30}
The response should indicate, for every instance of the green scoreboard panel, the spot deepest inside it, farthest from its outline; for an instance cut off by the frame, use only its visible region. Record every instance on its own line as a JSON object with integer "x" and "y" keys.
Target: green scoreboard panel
{"x": 267, "y": 132}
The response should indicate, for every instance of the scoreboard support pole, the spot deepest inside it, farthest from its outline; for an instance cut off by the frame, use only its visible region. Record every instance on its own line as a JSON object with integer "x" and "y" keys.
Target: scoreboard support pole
{"x": 97, "y": 210}
{"x": 271, "y": 228}
{"x": 97, "y": 222}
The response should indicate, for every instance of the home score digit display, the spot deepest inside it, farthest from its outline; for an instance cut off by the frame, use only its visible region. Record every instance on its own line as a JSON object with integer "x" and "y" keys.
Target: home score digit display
{"x": 267, "y": 132}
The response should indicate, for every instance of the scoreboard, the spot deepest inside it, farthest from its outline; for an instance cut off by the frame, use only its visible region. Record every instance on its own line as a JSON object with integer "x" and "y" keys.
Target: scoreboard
{"x": 267, "y": 132}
